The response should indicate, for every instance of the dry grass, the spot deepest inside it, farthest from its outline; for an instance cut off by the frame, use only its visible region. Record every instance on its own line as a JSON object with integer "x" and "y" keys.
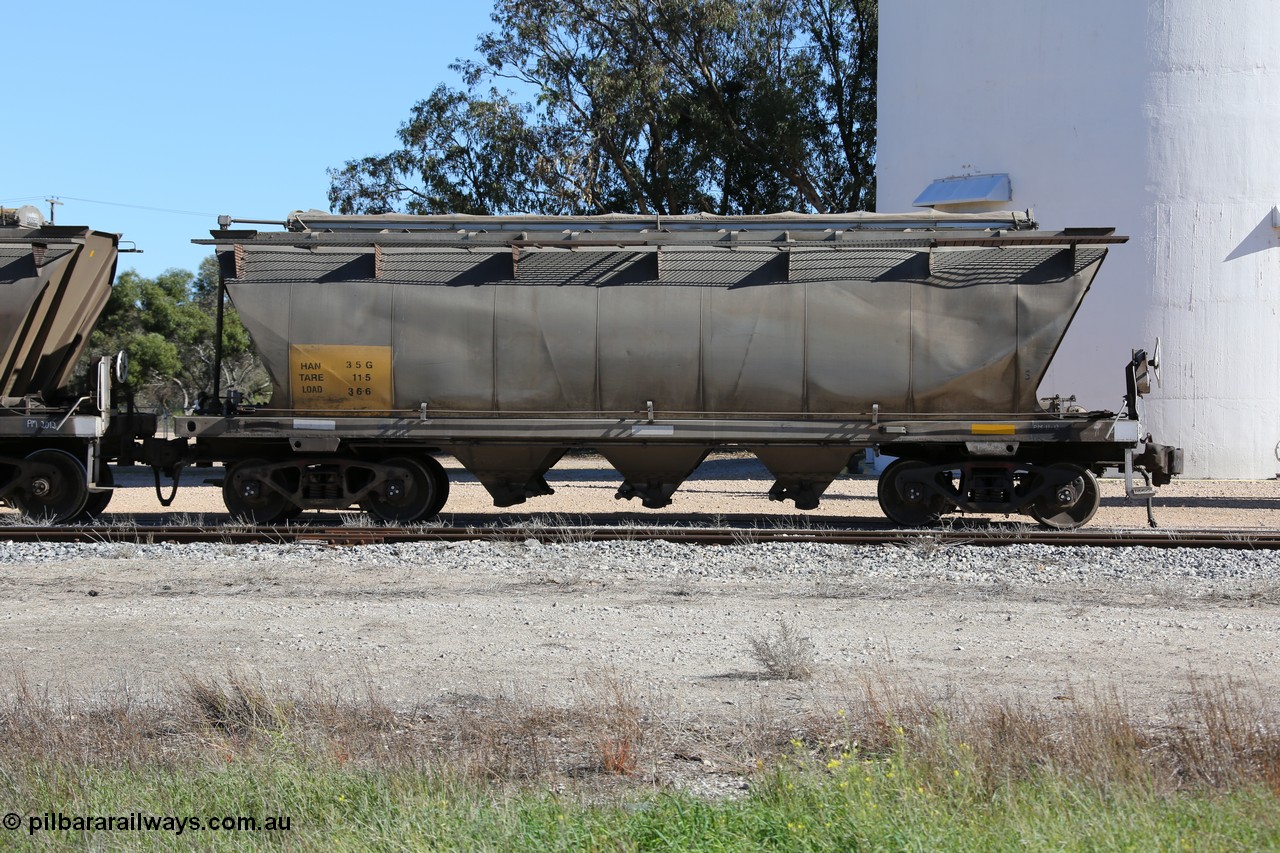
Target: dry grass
{"x": 240, "y": 718}
{"x": 20, "y": 519}
{"x": 362, "y": 520}
{"x": 1224, "y": 737}
{"x": 784, "y": 653}
{"x": 557, "y": 529}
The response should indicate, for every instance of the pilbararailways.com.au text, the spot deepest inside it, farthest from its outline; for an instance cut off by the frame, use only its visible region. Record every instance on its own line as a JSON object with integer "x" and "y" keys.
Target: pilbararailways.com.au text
{"x": 140, "y": 822}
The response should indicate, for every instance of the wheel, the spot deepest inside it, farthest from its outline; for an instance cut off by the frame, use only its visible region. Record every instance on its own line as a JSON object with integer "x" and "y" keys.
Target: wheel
{"x": 97, "y": 502}
{"x": 898, "y": 506}
{"x": 57, "y": 494}
{"x": 441, "y": 481}
{"x": 407, "y": 500}
{"x": 248, "y": 497}
{"x": 1074, "y": 512}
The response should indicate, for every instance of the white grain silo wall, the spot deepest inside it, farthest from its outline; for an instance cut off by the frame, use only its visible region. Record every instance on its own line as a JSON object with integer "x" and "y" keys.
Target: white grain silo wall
{"x": 1161, "y": 119}
{"x": 1213, "y": 175}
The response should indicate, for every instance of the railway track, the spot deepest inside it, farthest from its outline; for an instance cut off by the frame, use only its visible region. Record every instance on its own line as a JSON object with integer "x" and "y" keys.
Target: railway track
{"x": 351, "y": 535}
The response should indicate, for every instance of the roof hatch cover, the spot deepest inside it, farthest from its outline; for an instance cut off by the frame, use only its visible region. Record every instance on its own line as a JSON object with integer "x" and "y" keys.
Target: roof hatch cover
{"x": 965, "y": 189}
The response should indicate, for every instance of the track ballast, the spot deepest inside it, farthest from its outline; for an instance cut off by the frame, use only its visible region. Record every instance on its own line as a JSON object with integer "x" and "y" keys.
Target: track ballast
{"x": 557, "y": 532}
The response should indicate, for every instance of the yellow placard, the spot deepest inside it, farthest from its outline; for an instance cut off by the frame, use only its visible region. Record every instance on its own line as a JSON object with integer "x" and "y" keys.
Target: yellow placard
{"x": 324, "y": 377}
{"x": 993, "y": 429}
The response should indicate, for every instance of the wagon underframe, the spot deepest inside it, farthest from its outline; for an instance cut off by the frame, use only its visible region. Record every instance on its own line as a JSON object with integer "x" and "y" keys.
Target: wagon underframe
{"x": 1040, "y": 465}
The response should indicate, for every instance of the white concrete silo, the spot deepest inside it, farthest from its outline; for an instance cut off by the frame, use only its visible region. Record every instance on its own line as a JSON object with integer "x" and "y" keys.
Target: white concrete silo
{"x": 1161, "y": 118}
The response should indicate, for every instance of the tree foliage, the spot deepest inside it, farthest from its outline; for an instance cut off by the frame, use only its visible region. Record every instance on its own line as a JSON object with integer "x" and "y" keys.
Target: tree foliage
{"x": 167, "y": 326}
{"x": 647, "y": 106}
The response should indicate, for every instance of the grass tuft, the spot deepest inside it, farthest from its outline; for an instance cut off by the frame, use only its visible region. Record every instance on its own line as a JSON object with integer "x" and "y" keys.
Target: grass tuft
{"x": 240, "y": 706}
{"x": 784, "y": 653}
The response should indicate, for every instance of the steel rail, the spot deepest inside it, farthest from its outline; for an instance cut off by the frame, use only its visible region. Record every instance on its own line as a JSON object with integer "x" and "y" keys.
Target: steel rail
{"x": 231, "y": 533}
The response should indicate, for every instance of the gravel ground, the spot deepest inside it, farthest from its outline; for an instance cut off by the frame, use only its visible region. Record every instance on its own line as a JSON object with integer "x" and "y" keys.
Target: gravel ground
{"x": 424, "y": 622}
{"x": 429, "y": 622}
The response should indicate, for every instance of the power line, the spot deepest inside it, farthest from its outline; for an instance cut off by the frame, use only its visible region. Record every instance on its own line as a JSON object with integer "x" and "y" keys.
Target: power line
{"x": 117, "y": 204}
{"x": 201, "y": 214}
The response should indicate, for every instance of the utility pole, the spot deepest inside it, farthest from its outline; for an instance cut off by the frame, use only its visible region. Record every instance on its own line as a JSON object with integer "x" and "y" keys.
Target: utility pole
{"x": 52, "y": 201}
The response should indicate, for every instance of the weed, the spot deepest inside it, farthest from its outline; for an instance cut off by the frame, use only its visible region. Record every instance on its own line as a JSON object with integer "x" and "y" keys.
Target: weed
{"x": 889, "y": 741}
{"x": 629, "y": 531}
{"x": 618, "y": 755}
{"x": 926, "y": 546}
{"x": 573, "y": 535}
{"x": 361, "y": 520}
{"x": 784, "y": 653}
{"x": 238, "y": 707}
{"x": 21, "y": 519}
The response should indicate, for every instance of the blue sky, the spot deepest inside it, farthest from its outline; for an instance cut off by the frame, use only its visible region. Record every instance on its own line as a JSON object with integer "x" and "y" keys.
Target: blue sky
{"x": 209, "y": 108}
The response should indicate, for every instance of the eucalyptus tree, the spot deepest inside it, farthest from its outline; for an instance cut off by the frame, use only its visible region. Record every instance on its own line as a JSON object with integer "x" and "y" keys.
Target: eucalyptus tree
{"x": 167, "y": 327}
{"x": 646, "y": 106}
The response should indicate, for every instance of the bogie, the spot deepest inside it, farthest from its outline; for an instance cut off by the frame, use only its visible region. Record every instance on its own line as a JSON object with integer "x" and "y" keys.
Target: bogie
{"x": 1060, "y": 495}
{"x": 398, "y": 489}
